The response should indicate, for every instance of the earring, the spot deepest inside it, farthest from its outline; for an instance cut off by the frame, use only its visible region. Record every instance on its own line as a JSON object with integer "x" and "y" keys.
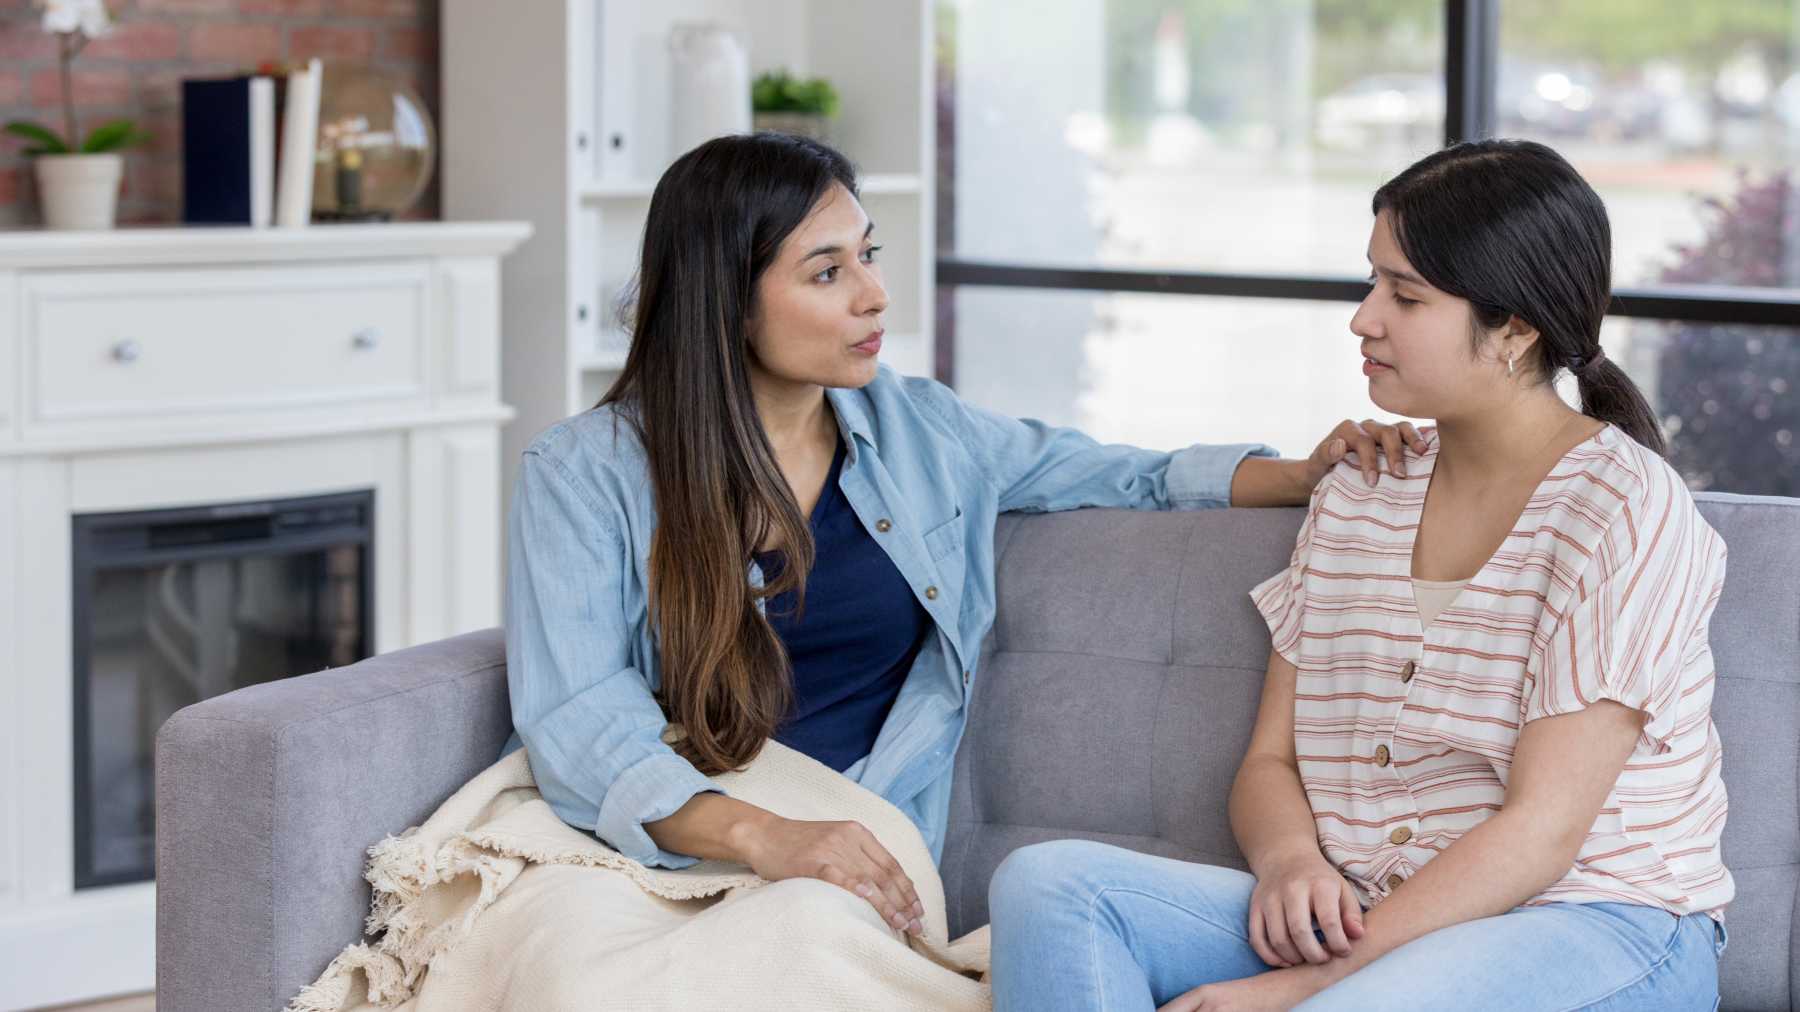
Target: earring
{"x": 1509, "y": 365}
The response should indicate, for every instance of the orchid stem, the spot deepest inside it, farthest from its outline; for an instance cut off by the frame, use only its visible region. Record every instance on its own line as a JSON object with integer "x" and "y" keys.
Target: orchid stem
{"x": 69, "y": 49}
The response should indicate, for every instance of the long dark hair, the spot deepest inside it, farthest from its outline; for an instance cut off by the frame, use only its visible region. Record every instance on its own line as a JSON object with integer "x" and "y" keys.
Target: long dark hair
{"x": 717, "y": 219}
{"x": 1514, "y": 229}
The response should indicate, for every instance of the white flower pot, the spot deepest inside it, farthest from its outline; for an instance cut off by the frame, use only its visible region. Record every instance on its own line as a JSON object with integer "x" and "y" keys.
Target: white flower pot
{"x": 805, "y": 124}
{"x": 79, "y": 191}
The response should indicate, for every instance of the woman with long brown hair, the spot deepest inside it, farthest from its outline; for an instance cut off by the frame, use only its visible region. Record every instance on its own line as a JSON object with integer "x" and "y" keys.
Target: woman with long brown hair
{"x": 759, "y": 534}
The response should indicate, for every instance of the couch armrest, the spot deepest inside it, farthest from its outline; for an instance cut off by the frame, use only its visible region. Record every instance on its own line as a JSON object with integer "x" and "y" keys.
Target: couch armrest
{"x": 268, "y": 797}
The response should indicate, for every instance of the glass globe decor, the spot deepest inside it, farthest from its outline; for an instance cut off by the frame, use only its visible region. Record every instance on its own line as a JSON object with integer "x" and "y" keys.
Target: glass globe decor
{"x": 377, "y": 146}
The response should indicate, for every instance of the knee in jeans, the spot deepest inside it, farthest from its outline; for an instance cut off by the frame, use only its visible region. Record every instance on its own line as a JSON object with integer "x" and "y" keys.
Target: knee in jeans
{"x": 1033, "y": 875}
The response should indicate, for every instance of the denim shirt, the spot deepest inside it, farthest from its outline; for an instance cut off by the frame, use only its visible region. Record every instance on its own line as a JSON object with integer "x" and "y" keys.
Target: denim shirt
{"x": 926, "y": 472}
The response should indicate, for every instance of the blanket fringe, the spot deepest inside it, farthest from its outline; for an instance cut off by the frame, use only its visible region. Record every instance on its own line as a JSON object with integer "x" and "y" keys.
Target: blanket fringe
{"x": 401, "y": 871}
{"x": 412, "y": 940}
{"x": 664, "y": 886}
{"x": 380, "y": 976}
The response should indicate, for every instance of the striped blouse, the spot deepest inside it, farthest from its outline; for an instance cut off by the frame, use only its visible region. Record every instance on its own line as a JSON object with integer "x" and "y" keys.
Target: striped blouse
{"x": 1405, "y": 734}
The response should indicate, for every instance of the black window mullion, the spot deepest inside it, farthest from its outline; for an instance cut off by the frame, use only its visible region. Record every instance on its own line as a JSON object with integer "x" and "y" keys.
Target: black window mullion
{"x": 1471, "y": 54}
{"x": 1101, "y": 279}
{"x": 1693, "y": 303}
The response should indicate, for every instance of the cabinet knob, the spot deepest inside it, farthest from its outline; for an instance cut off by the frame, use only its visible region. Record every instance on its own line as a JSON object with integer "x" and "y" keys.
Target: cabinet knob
{"x": 127, "y": 351}
{"x": 581, "y": 312}
{"x": 366, "y": 338}
{"x": 581, "y": 141}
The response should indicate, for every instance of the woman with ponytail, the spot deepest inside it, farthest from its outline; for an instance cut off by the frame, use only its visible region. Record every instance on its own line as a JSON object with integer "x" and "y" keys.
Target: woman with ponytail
{"x": 1484, "y": 773}
{"x": 759, "y": 534}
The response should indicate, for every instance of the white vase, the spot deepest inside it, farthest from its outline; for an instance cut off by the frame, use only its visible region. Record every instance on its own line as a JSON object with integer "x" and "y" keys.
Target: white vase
{"x": 79, "y": 191}
{"x": 709, "y": 75}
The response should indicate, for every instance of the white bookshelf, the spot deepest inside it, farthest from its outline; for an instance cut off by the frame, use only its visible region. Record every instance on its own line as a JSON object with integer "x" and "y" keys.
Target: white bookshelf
{"x": 556, "y": 112}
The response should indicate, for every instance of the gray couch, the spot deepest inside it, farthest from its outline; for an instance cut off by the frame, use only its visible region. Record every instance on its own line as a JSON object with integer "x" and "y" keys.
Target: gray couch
{"x": 1112, "y": 702}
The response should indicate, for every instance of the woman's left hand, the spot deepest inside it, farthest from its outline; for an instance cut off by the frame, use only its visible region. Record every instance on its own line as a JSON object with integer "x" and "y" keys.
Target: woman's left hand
{"x": 1366, "y": 440}
{"x": 1275, "y": 990}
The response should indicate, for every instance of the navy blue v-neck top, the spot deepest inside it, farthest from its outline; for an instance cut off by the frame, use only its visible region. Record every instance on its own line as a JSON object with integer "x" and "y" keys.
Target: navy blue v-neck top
{"x": 853, "y": 644}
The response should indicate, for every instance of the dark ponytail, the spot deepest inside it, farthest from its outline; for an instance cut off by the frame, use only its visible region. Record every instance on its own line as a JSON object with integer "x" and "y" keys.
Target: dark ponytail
{"x": 1514, "y": 229}
{"x": 1610, "y": 395}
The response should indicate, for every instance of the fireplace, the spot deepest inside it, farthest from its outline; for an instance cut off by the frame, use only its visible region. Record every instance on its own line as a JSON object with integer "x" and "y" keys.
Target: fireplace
{"x": 173, "y": 606}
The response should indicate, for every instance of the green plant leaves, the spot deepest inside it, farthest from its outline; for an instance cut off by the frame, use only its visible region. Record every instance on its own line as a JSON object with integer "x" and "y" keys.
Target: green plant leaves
{"x": 46, "y": 140}
{"x": 113, "y": 136}
{"x": 778, "y": 91}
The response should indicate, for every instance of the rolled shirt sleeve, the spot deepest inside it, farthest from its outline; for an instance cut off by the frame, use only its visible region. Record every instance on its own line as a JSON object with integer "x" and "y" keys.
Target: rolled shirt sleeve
{"x": 1199, "y": 477}
{"x": 655, "y": 788}
{"x": 1281, "y": 599}
{"x": 1635, "y": 629}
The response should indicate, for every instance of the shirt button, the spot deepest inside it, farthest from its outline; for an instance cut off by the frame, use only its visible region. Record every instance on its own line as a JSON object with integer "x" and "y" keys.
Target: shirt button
{"x": 965, "y": 678}
{"x": 1393, "y": 882}
{"x": 1400, "y": 835}
{"x": 1381, "y": 755}
{"x": 1406, "y": 672}
{"x": 930, "y": 593}
{"x": 883, "y": 525}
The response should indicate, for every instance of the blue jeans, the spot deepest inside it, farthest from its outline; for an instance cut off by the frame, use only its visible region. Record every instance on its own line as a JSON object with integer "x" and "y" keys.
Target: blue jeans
{"x": 1081, "y": 925}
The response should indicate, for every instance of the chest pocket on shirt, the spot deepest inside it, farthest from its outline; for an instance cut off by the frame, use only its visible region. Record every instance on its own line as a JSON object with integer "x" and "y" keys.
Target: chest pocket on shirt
{"x": 945, "y": 538}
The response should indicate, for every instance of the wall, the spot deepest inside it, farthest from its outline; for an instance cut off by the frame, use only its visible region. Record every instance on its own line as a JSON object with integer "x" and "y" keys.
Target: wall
{"x": 137, "y": 70}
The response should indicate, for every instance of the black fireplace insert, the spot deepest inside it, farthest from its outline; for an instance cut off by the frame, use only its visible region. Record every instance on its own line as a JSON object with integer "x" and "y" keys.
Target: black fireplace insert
{"x": 173, "y": 606}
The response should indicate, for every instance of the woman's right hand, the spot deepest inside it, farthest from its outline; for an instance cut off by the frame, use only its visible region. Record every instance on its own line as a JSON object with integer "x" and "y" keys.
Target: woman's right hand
{"x": 1295, "y": 893}
{"x": 843, "y": 853}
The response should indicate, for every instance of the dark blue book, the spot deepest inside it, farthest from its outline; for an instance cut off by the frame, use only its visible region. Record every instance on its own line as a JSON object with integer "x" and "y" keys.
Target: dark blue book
{"x": 228, "y": 151}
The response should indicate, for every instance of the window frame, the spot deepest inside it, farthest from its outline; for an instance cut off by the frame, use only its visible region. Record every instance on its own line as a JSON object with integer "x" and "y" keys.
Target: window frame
{"x": 1472, "y": 46}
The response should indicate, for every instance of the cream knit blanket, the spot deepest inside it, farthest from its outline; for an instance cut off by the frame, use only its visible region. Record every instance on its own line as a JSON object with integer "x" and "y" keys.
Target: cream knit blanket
{"x": 497, "y": 904}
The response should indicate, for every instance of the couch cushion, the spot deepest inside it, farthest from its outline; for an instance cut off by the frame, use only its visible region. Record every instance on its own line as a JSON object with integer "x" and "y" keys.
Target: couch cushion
{"x": 1117, "y": 691}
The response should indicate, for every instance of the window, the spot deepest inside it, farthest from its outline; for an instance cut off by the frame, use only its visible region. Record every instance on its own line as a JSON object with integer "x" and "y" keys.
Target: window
{"x": 1219, "y": 136}
{"x": 1726, "y": 395}
{"x": 1163, "y": 370}
{"x": 1152, "y": 213}
{"x": 1684, "y": 117}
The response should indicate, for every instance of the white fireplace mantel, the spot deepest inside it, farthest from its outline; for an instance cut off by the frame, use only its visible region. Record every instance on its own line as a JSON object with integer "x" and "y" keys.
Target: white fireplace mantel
{"x": 168, "y": 367}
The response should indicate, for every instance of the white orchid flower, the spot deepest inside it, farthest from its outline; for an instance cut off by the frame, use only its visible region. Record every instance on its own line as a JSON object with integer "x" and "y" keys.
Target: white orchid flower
{"x": 88, "y": 17}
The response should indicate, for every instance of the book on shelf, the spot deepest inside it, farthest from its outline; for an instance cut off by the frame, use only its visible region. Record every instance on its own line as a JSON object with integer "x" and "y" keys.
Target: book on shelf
{"x": 228, "y": 151}
{"x": 247, "y": 146}
{"x": 299, "y": 142}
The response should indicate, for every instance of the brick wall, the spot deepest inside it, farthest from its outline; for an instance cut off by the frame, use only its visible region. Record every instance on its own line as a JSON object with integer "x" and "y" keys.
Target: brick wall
{"x": 136, "y": 72}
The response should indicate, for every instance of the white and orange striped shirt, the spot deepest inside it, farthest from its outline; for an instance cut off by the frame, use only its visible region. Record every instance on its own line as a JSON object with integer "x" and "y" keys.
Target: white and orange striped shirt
{"x": 1405, "y": 735}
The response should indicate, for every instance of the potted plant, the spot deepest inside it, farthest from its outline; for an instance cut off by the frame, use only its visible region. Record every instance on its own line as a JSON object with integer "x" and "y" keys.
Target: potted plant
{"x": 78, "y": 179}
{"x": 786, "y": 104}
